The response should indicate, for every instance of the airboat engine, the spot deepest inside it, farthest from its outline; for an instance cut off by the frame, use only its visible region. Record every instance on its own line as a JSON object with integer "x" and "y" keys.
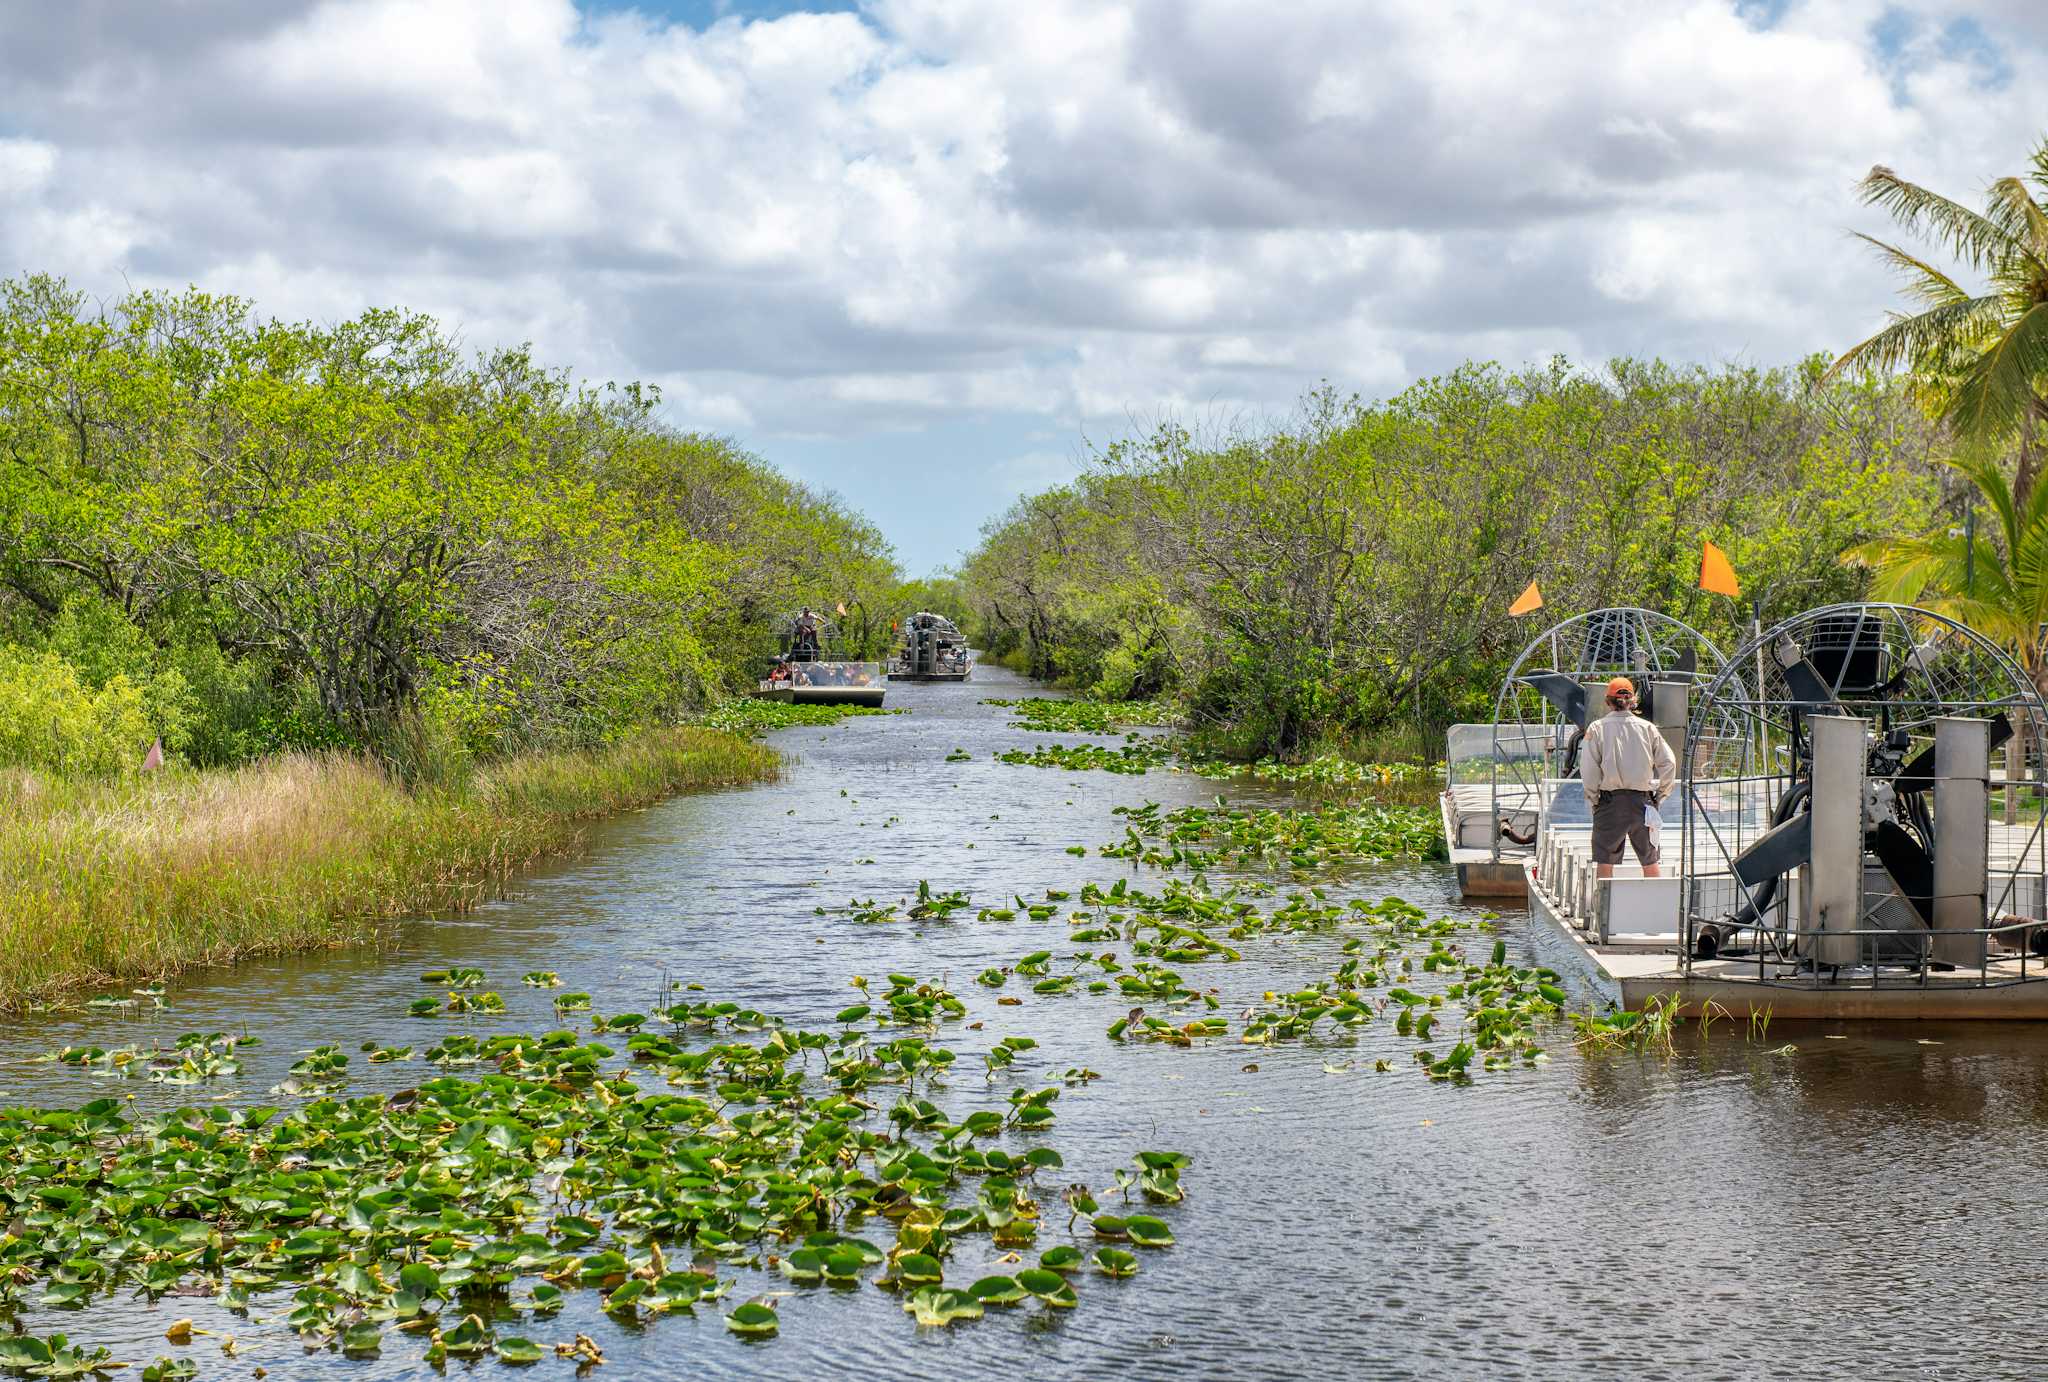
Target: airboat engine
{"x": 1877, "y": 852}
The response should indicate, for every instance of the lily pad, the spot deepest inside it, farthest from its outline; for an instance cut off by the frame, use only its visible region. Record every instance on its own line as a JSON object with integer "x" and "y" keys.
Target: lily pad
{"x": 753, "y": 1320}
{"x": 1115, "y": 1262}
{"x": 937, "y": 1306}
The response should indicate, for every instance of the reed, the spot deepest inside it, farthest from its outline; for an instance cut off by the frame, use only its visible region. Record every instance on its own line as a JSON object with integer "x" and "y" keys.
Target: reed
{"x": 110, "y": 882}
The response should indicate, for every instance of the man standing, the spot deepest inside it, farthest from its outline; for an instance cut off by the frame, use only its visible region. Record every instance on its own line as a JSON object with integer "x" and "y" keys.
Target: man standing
{"x": 1627, "y": 770}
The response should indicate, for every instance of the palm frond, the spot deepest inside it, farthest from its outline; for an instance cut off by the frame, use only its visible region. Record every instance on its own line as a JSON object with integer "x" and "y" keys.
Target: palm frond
{"x": 1993, "y": 393}
{"x": 2013, "y": 208}
{"x": 1924, "y": 281}
{"x": 1975, "y": 239}
{"x": 1931, "y": 336}
{"x": 1903, "y": 569}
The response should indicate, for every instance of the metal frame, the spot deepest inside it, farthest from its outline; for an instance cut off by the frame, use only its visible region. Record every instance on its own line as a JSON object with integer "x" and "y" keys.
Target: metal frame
{"x": 1743, "y": 747}
{"x": 1652, "y": 645}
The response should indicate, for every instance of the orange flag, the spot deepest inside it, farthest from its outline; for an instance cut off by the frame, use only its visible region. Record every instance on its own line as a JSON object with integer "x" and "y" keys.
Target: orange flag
{"x": 1530, "y": 599}
{"x": 154, "y": 759}
{"x": 842, "y": 609}
{"x": 1717, "y": 577}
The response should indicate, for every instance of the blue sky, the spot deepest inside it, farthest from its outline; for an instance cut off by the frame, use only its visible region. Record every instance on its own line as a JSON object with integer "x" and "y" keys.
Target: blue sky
{"x": 924, "y": 253}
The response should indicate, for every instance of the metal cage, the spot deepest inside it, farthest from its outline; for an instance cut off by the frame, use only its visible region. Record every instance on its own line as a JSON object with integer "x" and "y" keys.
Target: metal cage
{"x": 1533, "y": 744}
{"x": 1844, "y": 817}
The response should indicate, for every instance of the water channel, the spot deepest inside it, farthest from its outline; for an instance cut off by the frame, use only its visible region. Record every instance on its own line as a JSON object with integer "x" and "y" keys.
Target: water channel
{"x": 1831, "y": 1202}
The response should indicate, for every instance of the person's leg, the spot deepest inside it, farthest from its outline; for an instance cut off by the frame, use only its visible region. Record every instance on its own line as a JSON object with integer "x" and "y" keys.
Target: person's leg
{"x": 1641, "y": 839}
{"x": 1608, "y": 836}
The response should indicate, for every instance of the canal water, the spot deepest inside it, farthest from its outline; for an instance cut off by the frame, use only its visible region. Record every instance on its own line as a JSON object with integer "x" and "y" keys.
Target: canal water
{"x": 1831, "y": 1202}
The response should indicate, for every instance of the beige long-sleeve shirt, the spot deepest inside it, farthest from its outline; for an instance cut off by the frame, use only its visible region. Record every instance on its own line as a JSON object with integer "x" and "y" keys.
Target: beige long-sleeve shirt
{"x": 1624, "y": 752}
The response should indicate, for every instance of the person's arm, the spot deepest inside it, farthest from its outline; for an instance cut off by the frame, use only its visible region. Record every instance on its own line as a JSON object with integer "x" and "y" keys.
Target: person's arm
{"x": 1666, "y": 764}
{"x": 1589, "y": 765}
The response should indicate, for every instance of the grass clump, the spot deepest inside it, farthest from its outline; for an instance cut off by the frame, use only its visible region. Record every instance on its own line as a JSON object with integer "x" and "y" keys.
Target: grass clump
{"x": 111, "y": 881}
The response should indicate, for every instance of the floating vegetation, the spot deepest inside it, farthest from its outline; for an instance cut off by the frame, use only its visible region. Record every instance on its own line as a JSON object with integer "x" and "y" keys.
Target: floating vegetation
{"x": 1406, "y": 784}
{"x": 929, "y": 905}
{"x": 193, "y": 1059}
{"x": 1136, "y": 755}
{"x": 750, "y": 715}
{"x": 1084, "y": 716}
{"x": 451, "y": 1211}
{"x": 1201, "y": 837}
{"x": 959, "y": 756}
{"x": 1651, "y": 1029}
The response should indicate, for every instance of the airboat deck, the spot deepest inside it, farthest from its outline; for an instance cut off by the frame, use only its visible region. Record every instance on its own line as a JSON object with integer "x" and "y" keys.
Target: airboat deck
{"x": 1484, "y": 871}
{"x": 1622, "y": 933}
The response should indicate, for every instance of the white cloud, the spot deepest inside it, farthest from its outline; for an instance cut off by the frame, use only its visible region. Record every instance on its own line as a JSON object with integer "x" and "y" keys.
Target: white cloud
{"x": 1073, "y": 212}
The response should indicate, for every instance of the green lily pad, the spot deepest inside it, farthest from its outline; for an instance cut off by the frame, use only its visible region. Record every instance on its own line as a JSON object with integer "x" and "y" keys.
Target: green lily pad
{"x": 1115, "y": 1262}
{"x": 937, "y": 1306}
{"x": 469, "y": 1339}
{"x": 998, "y": 1290}
{"x": 1148, "y": 1232}
{"x": 365, "y": 1336}
{"x": 1063, "y": 1258}
{"x": 517, "y": 1350}
{"x": 753, "y": 1320}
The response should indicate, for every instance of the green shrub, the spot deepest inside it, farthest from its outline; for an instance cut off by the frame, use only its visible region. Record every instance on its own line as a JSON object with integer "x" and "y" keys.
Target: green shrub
{"x": 50, "y": 717}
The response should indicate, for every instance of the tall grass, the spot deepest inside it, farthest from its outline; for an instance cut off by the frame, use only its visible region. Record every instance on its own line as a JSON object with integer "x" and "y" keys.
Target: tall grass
{"x": 103, "y": 882}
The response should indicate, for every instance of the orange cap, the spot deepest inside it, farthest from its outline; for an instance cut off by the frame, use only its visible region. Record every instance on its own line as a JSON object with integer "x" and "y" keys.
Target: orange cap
{"x": 1616, "y": 684}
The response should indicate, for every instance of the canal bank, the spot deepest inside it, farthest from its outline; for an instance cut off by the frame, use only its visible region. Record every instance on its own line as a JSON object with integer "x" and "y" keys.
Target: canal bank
{"x": 1576, "y": 1217}
{"x": 128, "y": 882}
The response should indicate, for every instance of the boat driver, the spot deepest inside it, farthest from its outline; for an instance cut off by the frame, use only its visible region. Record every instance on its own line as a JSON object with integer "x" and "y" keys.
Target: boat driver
{"x": 1627, "y": 770}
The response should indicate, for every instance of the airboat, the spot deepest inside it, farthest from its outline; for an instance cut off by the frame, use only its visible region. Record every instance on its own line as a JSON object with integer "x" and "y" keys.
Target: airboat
{"x": 1499, "y": 775}
{"x": 932, "y": 649}
{"x": 1856, "y": 835}
{"x": 810, "y": 668}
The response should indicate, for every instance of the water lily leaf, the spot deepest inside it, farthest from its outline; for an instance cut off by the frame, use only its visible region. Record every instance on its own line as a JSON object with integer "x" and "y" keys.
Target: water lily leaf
{"x": 1064, "y": 1258}
{"x": 1040, "y": 1282}
{"x": 918, "y": 1268}
{"x": 752, "y": 1319}
{"x": 936, "y": 1306}
{"x": 1148, "y": 1232}
{"x": 23, "y": 1351}
{"x": 805, "y": 1264}
{"x": 365, "y": 1336}
{"x": 468, "y": 1339}
{"x": 998, "y": 1290}
{"x": 517, "y": 1350}
{"x": 420, "y": 1279}
{"x": 1115, "y": 1262}
{"x": 1110, "y": 1225}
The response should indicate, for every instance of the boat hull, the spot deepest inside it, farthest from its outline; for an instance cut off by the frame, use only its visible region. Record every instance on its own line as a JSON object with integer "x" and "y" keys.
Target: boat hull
{"x": 1631, "y": 976}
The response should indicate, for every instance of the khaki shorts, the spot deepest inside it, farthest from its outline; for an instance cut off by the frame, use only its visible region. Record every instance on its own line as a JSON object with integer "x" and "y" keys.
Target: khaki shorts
{"x": 1618, "y": 818}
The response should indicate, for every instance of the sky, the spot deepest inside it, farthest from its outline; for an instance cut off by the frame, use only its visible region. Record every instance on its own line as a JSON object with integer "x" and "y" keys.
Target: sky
{"x": 927, "y": 253}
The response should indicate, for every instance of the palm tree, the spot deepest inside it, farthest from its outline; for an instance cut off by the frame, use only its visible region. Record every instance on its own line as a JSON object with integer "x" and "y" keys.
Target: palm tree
{"x": 1978, "y": 360}
{"x": 1999, "y": 588}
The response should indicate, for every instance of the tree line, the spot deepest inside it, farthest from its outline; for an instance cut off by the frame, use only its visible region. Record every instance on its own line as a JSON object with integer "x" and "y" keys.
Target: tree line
{"x": 1343, "y": 578}
{"x": 244, "y": 535}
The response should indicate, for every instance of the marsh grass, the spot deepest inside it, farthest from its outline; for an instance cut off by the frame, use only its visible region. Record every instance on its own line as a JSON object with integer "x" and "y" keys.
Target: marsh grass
{"x": 109, "y": 882}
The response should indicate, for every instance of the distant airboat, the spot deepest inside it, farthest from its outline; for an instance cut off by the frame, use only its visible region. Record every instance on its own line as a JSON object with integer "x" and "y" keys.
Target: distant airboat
{"x": 809, "y": 668}
{"x": 932, "y": 648}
